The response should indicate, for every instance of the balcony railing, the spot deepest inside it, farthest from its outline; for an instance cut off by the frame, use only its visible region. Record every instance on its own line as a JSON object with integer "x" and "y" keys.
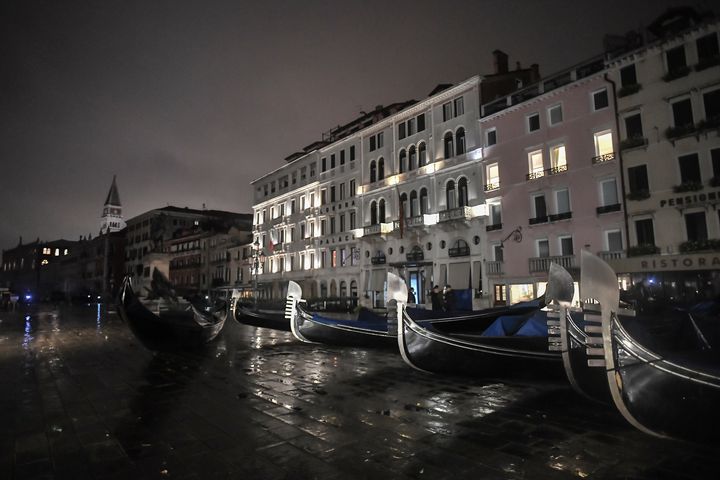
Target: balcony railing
{"x": 371, "y": 230}
{"x": 460, "y": 213}
{"x": 492, "y": 228}
{"x": 417, "y": 256}
{"x": 542, "y": 264}
{"x": 410, "y": 222}
{"x": 607, "y": 157}
{"x": 536, "y": 220}
{"x": 494, "y": 267}
{"x": 560, "y": 216}
{"x": 491, "y": 186}
{"x": 378, "y": 260}
{"x": 534, "y": 175}
{"x": 459, "y": 251}
{"x": 612, "y": 254}
{"x": 557, "y": 169}
{"x": 615, "y": 207}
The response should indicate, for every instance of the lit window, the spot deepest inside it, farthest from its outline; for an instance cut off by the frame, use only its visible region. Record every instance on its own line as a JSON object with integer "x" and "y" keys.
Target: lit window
{"x": 65, "y": 252}
{"x": 603, "y": 143}
{"x": 493, "y": 176}
{"x": 559, "y": 162}
{"x": 44, "y": 262}
{"x": 57, "y": 252}
{"x": 536, "y": 163}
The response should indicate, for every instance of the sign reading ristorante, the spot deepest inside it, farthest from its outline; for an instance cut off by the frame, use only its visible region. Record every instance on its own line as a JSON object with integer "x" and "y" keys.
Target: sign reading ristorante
{"x": 667, "y": 263}
{"x": 689, "y": 200}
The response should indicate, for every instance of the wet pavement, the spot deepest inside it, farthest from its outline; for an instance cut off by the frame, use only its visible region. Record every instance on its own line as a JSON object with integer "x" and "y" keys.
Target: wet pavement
{"x": 81, "y": 398}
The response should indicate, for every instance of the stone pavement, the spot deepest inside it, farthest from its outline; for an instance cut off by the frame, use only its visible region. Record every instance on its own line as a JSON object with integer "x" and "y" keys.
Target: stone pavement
{"x": 81, "y": 398}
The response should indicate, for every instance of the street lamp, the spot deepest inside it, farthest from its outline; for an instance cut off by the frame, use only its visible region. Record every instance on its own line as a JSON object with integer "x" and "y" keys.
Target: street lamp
{"x": 258, "y": 257}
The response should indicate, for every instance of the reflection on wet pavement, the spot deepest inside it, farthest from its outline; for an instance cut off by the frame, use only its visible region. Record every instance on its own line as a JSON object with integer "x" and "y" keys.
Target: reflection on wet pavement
{"x": 81, "y": 398}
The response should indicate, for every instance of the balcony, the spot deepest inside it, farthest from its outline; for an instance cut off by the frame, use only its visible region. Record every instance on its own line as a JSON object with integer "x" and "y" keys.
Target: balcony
{"x": 380, "y": 260}
{"x": 536, "y": 220}
{"x": 277, "y": 248}
{"x": 626, "y": 90}
{"x": 608, "y": 157}
{"x": 680, "y": 131}
{"x": 640, "y": 250}
{"x": 459, "y": 252}
{"x": 615, "y": 207}
{"x": 612, "y": 254}
{"x": 534, "y": 175}
{"x": 372, "y": 230}
{"x": 494, "y": 267}
{"x": 410, "y": 222}
{"x": 688, "y": 187}
{"x": 491, "y": 186}
{"x": 556, "y": 217}
{"x": 417, "y": 256}
{"x": 709, "y": 245}
{"x": 542, "y": 264}
{"x": 557, "y": 169}
{"x": 460, "y": 213}
{"x": 494, "y": 227}
{"x": 633, "y": 142}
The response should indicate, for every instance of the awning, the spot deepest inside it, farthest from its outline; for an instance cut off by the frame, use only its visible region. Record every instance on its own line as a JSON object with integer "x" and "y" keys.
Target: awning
{"x": 459, "y": 275}
{"x": 377, "y": 279}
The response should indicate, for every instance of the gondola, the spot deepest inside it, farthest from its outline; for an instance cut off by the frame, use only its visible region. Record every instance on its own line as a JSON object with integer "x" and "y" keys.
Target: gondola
{"x": 163, "y": 321}
{"x": 500, "y": 344}
{"x": 369, "y": 329}
{"x": 248, "y": 314}
{"x": 668, "y": 387}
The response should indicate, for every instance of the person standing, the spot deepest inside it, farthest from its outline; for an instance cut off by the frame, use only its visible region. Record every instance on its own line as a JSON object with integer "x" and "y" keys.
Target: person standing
{"x": 411, "y": 296}
{"x": 448, "y": 298}
{"x": 436, "y": 299}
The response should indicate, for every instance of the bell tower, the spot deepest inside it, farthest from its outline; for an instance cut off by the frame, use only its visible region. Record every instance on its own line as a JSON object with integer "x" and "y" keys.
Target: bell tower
{"x": 112, "y": 220}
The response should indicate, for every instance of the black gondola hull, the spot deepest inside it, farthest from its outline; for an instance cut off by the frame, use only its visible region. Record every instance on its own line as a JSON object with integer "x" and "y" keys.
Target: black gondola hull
{"x": 261, "y": 319}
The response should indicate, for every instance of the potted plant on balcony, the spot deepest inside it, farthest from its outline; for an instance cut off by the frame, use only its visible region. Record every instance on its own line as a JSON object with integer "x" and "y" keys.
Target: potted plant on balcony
{"x": 680, "y": 131}
{"x": 632, "y": 142}
{"x": 688, "y": 187}
{"x": 638, "y": 195}
{"x": 626, "y": 90}
{"x": 676, "y": 73}
{"x": 700, "y": 245}
{"x": 645, "y": 249}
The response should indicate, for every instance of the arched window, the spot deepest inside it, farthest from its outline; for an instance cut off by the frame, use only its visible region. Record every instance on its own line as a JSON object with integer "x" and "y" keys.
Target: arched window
{"x": 462, "y": 192}
{"x": 450, "y": 195}
{"x": 353, "y": 288}
{"x": 404, "y": 205}
{"x": 422, "y": 154}
{"x": 343, "y": 289}
{"x": 373, "y": 213}
{"x": 460, "y": 141}
{"x": 381, "y": 211}
{"x": 333, "y": 288}
{"x": 402, "y": 161}
{"x": 323, "y": 289}
{"x": 424, "y": 204}
{"x": 413, "y": 203}
{"x": 373, "y": 172}
{"x": 412, "y": 163}
{"x": 448, "y": 142}
{"x": 381, "y": 168}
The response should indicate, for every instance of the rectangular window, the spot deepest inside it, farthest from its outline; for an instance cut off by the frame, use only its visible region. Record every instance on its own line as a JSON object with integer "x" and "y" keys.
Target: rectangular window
{"x": 312, "y": 199}
{"x": 401, "y": 131}
{"x": 353, "y": 187}
{"x": 711, "y": 102}
{"x": 498, "y": 252}
{"x": 493, "y": 176}
{"x": 614, "y": 240}
{"x": 566, "y": 246}
{"x": 421, "y": 122}
{"x": 323, "y": 196}
{"x": 302, "y": 203}
{"x": 558, "y": 159}
{"x": 352, "y": 221}
{"x": 555, "y": 115}
{"x": 608, "y": 190}
{"x": 342, "y": 157}
{"x": 707, "y": 48}
{"x": 372, "y": 143}
{"x": 303, "y": 232}
{"x": 333, "y": 258}
{"x": 411, "y": 127}
{"x": 638, "y": 179}
{"x": 352, "y": 152}
{"x": 645, "y": 232}
{"x": 342, "y": 223}
{"x": 312, "y": 260}
{"x": 535, "y": 162}
{"x": 633, "y": 126}
{"x": 539, "y": 206}
{"x": 603, "y": 143}
{"x": 676, "y": 59}
{"x": 323, "y": 163}
{"x": 323, "y": 227}
{"x": 459, "y": 106}
{"x": 332, "y": 161}
{"x": 447, "y": 111}
{"x": 380, "y": 142}
{"x": 490, "y": 137}
{"x": 689, "y": 168}
{"x": 533, "y": 122}
{"x": 682, "y": 113}
{"x": 562, "y": 198}
{"x": 628, "y": 76}
{"x": 715, "y": 158}
{"x": 342, "y": 191}
{"x": 543, "y": 248}
{"x": 600, "y": 99}
{"x": 696, "y": 226}
{"x": 332, "y": 225}
{"x": 495, "y": 214}
{"x": 332, "y": 194}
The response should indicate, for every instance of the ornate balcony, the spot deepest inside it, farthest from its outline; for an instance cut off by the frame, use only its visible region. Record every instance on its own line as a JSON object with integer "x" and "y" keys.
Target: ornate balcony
{"x": 459, "y": 252}
{"x": 491, "y": 186}
{"x": 557, "y": 169}
{"x": 416, "y": 256}
{"x": 494, "y": 267}
{"x": 372, "y": 230}
{"x": 542, "y": 264}
{"x": 378, "y": 260}
{"x": 534, "y": 175}
{"x": 608, "y": 157}
{"x": 460, "y": 213}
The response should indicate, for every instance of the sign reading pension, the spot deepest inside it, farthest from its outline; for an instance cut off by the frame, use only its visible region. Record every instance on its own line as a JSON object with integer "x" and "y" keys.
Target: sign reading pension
{"x": 690, "y": 200}
{"x": 667, "y": 263}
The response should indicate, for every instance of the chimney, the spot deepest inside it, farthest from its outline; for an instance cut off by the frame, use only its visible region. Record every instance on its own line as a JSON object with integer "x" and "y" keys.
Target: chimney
{"x": 500, "y": 60}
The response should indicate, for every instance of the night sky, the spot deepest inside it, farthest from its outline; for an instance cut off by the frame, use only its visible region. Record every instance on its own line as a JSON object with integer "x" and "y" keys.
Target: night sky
{"x": 187, "y": 102}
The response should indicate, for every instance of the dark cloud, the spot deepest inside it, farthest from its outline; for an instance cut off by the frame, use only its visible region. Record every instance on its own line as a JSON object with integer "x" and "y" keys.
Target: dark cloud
{"x": 188, "y": 101}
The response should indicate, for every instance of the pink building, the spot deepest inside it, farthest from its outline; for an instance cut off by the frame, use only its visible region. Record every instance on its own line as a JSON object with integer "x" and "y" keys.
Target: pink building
{"x": 552, "y": 180}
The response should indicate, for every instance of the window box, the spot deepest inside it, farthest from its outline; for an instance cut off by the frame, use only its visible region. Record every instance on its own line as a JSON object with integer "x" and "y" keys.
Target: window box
{"x": 708, "y": 124}
{"x": 608, "y": 208}
{"x": 688, "y": 187}
{"x": 640, "y": 250}
{"x": 639, "y": 195}
{"x": 536, "y": 220}
{"x": 629, "y": 89}
{"x": 706, "y": 63}
{"x": 633, "y": 142}
{"x": 677, "y": 73}
{"x": 699, "y": 245}
{"x": 680, "y": 131}
{"x": 560, "y": 216}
